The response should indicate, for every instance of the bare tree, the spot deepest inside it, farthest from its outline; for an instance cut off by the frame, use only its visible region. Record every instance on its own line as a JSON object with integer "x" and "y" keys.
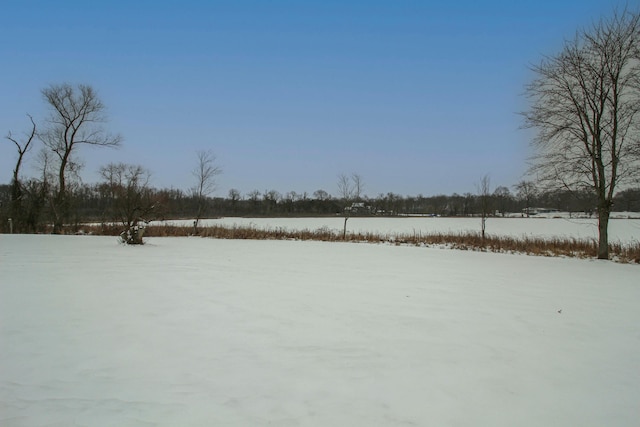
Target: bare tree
{"x": 132, "y": 198}
{"x": 254, "y": 197}
{"x": 526, "y": 191}
{"x": 77, "y": 118}
{"x": 584, "y": 105}
{"x": 345, "y": 189}
{"x": 16, "y": 194}
{"x": 321, "y": 195}
{"x": 358, "y": 186}
{"x": 205, "y": 174}
{"x": 484, "y": 194}
{"x": 291, "y": 196}
{"x": 502, "y": 197}
{"x": 270, "y": 199}
{"x": 234, "y": 197}
{"x": 349, "y": 190}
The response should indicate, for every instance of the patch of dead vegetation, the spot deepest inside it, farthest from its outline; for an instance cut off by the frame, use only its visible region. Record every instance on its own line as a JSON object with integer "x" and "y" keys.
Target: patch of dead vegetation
{"x": 573, "y": 248}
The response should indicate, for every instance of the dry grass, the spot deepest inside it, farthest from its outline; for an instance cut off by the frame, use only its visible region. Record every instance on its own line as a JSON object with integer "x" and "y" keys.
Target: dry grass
{"x": 574, "y": 248}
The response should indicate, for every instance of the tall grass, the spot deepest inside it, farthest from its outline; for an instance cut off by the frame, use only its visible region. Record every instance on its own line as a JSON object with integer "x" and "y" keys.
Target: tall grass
{"x": 572, "y": 247}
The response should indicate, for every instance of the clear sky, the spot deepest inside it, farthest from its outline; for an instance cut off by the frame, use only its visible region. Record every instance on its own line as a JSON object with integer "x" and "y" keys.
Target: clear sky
{"x": 418, "y": 97}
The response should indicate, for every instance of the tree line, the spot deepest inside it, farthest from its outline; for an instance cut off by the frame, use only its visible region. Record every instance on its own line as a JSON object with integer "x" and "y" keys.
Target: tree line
{"x": 126, "y": 196}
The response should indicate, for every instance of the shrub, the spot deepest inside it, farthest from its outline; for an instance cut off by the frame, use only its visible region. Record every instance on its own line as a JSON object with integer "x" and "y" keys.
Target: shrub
{"x": 133, "y": 235}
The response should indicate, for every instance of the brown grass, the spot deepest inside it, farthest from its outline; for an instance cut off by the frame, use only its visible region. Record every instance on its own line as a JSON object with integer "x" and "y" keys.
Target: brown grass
{"x": 574, "y": 248}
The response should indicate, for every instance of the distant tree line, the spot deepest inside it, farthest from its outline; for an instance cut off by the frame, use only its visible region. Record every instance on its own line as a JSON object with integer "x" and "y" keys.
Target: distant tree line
{"x": 125, "y": 197}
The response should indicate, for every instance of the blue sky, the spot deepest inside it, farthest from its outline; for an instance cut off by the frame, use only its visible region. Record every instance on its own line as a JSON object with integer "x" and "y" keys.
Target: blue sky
{"x": 418, "y": 97}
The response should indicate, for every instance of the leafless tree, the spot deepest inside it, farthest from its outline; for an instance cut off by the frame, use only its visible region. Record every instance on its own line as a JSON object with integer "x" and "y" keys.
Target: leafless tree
{"x": 349, "y": 190}
{"x": 270, "y": 198}
{"x": 45, "y": 166}
{"x": 234, "y": 197}
{"x": 484, "y": 195}
{"x": 42, "y": 193}
{"x": 321, "y": 195}
{"x": 345, "y": 189}
{"x": 23, "y": 147}
{"x": 133, "y": 201}
{"x": 291, "y": 196}
{"x": 358, "y": 186}
{"x": 584, "y": 105}
{"x": 254, "y": 197}
{"x": 502, "y": 196}
{"x": 205, "y": 174}
{"x": 76, "y": 118}
{"x": 526, "y": 191}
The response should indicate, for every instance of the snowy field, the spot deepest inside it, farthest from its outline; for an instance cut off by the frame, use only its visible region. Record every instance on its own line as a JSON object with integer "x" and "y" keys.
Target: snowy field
{"x": 203, "y": 332}
{"x": 621, "y": 228}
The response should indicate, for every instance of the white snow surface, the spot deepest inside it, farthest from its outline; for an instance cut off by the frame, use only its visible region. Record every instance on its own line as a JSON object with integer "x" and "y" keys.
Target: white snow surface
{"x": 203, "y": 332}
{"x": 623, "y": 227}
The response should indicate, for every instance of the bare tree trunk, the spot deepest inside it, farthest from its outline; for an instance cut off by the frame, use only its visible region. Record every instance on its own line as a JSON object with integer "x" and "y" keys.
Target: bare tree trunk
{"x": 484, "y": 190}
{"x": 60, "y": 202}
{"x": 603, "y": 237}
{"x": 344, "y": 230}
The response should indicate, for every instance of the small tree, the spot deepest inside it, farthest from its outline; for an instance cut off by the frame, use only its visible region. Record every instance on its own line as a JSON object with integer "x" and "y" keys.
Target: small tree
{"x": 484, "y": 195}
{"x": 349, "y": 190}
{"x": 205, "y": 174}
{"x": 77, "y": 118}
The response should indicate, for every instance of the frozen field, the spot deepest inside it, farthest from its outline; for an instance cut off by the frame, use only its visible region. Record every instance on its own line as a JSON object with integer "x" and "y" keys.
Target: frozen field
{"x": 202, "y": 332}
{"x": 620, "y": 230}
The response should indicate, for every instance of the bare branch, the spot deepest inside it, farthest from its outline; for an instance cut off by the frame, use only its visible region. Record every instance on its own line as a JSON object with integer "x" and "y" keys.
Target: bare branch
{"x": 345, "y": 188}
{"x": 23, "y": 147}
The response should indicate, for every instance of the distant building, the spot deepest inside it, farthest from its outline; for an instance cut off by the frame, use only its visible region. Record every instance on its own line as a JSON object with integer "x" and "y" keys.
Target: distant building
{"x": 358, "y": 208}
{"x": 536, "y": 211}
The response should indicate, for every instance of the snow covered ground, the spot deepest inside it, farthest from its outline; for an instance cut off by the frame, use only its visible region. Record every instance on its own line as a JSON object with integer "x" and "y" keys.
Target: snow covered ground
{"x": 203, "y": 332}
{"x": 621, "y": 228}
